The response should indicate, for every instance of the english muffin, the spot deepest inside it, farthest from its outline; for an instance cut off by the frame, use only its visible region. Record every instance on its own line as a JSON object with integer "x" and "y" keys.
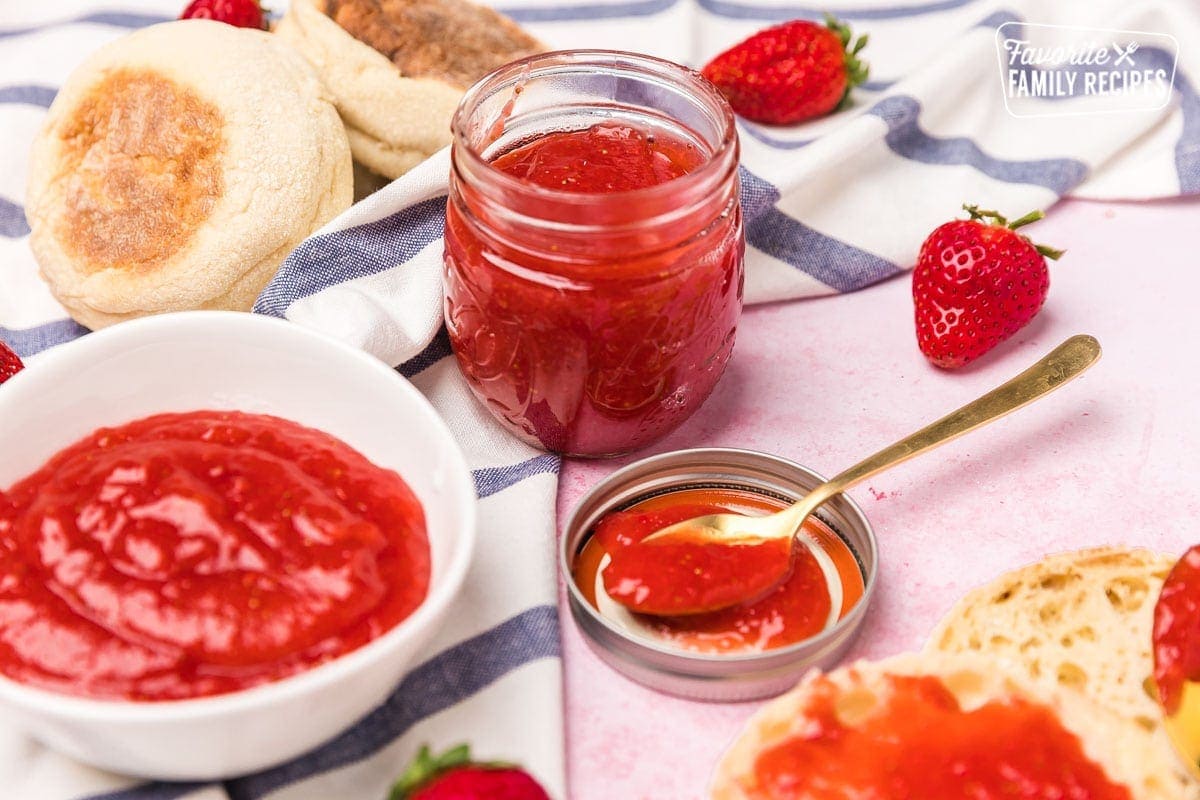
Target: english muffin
{"x": 1080, "y": 619}
{"x": 988, "y": 733}
{"x": 397, "y": 68}
{"x": 177, "y": 167}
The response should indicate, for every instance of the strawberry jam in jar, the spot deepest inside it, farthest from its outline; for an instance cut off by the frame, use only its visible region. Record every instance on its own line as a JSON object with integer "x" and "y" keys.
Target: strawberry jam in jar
{"x": 594, "y": 247}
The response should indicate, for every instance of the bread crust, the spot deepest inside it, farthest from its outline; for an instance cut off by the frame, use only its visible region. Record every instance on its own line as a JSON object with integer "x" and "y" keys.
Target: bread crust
{"x": 1123, "y": 749}
{"x": 393, "y": 121}
{"x": 177, "y": 168}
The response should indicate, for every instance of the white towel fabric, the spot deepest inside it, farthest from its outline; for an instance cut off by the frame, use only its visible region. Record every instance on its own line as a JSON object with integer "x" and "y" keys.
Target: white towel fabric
{"x": 830, "y": 206}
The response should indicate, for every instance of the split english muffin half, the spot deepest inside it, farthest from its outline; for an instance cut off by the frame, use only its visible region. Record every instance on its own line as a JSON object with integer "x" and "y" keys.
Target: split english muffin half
{"x": 177, "y": 168}
{"x": 397, "y": 68}
{"x": 1081, "y": 620}
{"x": 862, "y": 697}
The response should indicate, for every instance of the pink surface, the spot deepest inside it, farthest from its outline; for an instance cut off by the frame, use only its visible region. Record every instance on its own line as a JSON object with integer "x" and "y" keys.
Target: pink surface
{"x": 1108, "y": 459}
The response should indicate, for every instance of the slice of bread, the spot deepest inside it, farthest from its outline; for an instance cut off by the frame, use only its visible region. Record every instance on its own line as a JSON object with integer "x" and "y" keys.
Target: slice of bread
{"x": 1081, "y": 620}
{"x": 1122, "y": 748}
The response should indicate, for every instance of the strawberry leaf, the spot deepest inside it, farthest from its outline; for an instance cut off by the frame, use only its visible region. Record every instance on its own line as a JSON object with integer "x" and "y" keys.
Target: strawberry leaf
{"x": 1032, "y": 216}
{"x": 458, "y": 756}
{"x": 857, "y": 70}
{"x": 426, "y": 767}
{"x": 995, "y": 218}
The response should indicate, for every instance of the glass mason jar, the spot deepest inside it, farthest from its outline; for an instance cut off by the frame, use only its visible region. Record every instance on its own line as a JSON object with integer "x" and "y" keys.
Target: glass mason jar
{"x": 593, "y": 320}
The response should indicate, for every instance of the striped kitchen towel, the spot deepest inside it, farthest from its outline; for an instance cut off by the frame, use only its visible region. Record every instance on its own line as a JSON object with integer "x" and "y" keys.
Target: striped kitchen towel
{"x": 830, "y": 206}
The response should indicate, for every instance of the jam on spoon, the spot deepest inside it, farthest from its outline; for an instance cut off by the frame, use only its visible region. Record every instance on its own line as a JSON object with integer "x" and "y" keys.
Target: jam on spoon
{"x": 683, "y": 575}
{"x": 720, "y": 560}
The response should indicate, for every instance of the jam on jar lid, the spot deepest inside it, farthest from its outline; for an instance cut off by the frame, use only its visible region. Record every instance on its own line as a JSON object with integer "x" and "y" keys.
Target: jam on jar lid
{"x": 593, "y": 247}
{"x": 754, "y": 649}
{"x": 823, "y": 585}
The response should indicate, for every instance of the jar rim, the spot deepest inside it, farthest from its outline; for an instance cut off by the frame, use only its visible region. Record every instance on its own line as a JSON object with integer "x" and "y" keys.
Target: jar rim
{"x": 516, "y": 72}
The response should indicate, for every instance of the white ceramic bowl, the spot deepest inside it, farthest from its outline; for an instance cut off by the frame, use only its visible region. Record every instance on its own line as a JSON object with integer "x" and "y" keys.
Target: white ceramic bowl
{"x": 224, "y": 360}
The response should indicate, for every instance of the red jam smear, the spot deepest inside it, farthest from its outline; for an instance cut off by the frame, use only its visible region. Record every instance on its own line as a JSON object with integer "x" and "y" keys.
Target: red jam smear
{"x": 796, "y": 609}
{"x": 684, "y": 575}
{"x": 921, "y": 745}
{"x": 193, "y": 554}
{"x": 601, "y": 351}
{"x": 1177, "y": 630}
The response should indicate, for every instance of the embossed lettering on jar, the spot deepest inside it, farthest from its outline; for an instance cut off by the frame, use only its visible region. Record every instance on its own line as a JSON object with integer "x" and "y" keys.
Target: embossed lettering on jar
{"x": 594, "y": 247}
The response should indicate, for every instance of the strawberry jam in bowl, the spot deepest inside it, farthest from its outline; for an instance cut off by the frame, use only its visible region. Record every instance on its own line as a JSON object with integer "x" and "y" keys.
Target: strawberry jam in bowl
{"x": 593, "y": 247}
{"x": 191, "y": 554}
{"x": 755, "y": 647}
{"x": 223, "y": 540}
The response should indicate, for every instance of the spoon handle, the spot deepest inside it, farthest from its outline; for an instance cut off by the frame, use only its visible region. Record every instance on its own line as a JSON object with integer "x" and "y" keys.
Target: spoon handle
{"x": 1063, "y": 363}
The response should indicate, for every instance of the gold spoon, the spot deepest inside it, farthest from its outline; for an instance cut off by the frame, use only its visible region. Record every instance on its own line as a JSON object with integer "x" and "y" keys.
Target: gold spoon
{"x": 1065, "y": 362}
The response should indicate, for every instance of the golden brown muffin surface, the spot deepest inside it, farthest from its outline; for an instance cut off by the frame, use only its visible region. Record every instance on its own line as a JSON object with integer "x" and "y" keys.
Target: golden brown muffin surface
{"x": 454, "y": 41}
{"x": 140, "y": 162}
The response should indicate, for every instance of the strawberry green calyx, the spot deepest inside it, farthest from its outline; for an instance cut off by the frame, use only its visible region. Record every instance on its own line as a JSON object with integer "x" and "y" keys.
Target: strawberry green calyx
{"x": 429, "y": 773}
{"x": 856, "y": 69}
{"x": 995, "y": 218}
{"x": 425, "y": 767}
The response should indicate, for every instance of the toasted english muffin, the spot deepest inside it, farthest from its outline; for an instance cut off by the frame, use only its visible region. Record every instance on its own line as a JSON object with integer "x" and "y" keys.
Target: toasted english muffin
{"x": 860, "y": 692}
{"x": 1082, "y": 620}
{"x": 397, "y": 68}
{"x": 1079, "y": 619}
{"x": 177, "y": 168}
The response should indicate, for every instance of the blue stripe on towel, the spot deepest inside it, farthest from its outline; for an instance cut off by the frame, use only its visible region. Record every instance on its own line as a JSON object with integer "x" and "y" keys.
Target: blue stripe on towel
{"x": 12, "y": 220}
{"x": 445, "y": 680}
{"x": 832, "y": 262}
{"x": 490, "y": 480}
{"x": 589, "y": 11}
{"x": 1187, "y": 150}
{"x": 28, "y": 341}
{"x": 112, "y": 18}
{"x": 759, "y": 132}
{"x": 28, "y": 95}
{"x": 998, "y": 18}
{"x": 150, "y": 791}
{"x": 434, "y": 352}
{"x": 905, "y": 138}
{"x": 332, "y": 258}
{"x": 778, "y": 13}
{"x": 758, "y": 196}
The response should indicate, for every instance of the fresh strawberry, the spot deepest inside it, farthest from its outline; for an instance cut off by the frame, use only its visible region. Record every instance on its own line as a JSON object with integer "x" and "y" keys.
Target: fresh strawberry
{"x": 454, "y": 776}
{"x": 239, "y": 13}
{"x": 10, "y": 363}
{"x": 791, "y": 72}
{"x": 977, "y": 282}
